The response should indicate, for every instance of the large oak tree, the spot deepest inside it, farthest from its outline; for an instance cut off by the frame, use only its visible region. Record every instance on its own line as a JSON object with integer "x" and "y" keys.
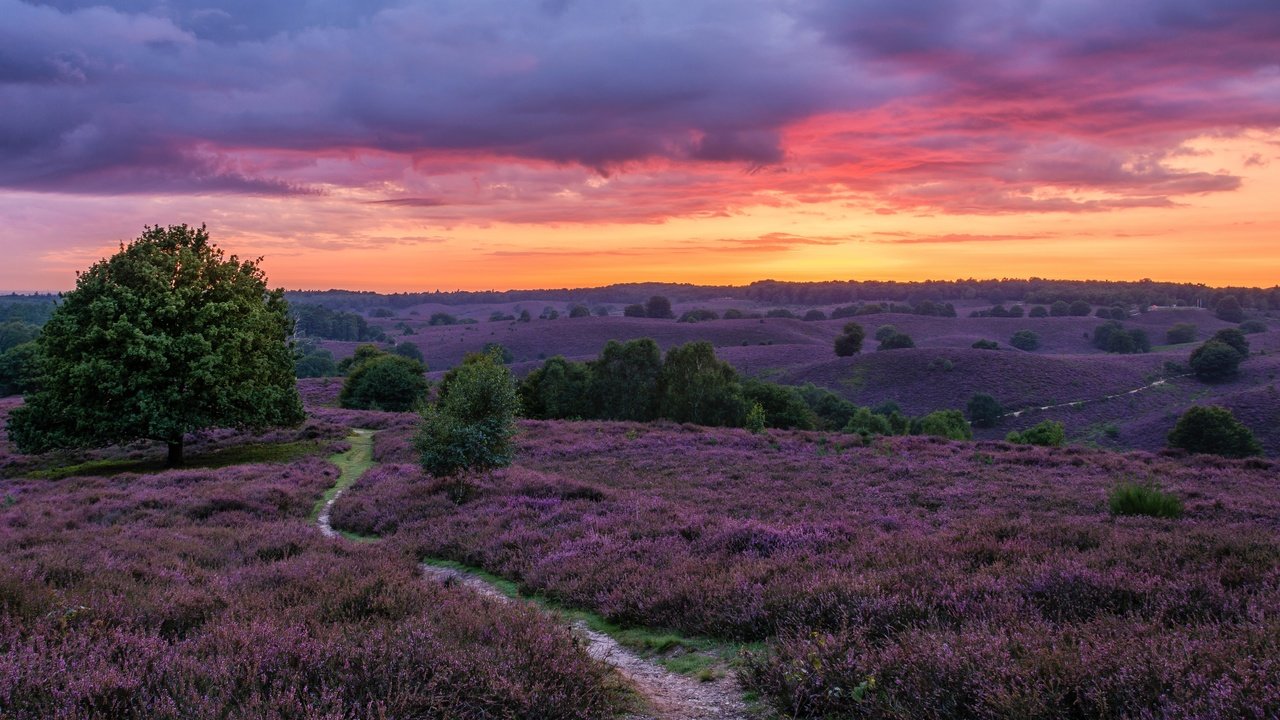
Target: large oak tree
{"x": 166, "y": 337}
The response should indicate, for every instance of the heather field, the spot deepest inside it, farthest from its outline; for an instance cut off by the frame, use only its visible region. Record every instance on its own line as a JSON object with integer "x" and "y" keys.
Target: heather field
{"x": 209, "y": 593}
{"x": 908, "y": 578}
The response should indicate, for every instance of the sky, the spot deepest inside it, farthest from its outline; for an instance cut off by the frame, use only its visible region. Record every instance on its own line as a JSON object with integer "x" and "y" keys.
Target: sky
{"x": 492, "y": 144}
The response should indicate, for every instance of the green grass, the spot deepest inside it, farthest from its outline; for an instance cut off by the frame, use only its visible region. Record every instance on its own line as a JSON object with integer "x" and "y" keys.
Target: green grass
{"x": 351, "y": 465}
{"x": 1129, "y": 498}
{"x": 239, "y": 455}
{"x": 702, "y": 658}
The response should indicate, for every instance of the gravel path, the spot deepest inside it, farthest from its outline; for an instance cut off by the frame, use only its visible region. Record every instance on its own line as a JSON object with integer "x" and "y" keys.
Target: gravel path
{"x": 669, "y": 696}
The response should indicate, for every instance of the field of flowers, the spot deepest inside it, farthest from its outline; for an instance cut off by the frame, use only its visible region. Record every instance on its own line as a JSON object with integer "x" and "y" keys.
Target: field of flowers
{"x": 909, "y": 578}
{"x": 209, "y": 593}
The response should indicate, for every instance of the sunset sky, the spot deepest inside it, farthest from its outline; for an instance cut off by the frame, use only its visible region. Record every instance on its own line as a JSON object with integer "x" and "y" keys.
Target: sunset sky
{"x": 471, "y": 144}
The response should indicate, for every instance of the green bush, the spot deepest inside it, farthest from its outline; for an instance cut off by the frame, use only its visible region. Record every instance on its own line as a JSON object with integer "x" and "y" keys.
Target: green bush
{"x": 783, "y": 405}
{"x": 986, "y": 345}
{"x": 1025, "y": 340}
{"x": 1234, "y": 338}
{"x": 1214, "y": 361}
{"x": 499, "y": 351}
{"x": 1253, "y": 327}
{"x": 634, "y": 311}
{"x": 884, "y": 332}
{"x": 559, "y": 390}
{"x": 624, "y": 380}
{"x": 849, "y": 341}
{"x": 696, "y": 387}
{"x": 1213, "y": 430}
{"x": 1038, "y": 311}
{"x": 945, "y": 423}
{"x": 1228, "y": 308}
{"x": 1181, "y": 333}
{"x": 897, "y": 341}
{"x": 984, "y": 410}
{"x": 384, "y": 382}
{"x": 1129, "y": 498}
{"x": 864, "y": 422}
{"x": 755, "y": 422}
{"x": 698, "y": 315}
{"x": 1049, "y": 433}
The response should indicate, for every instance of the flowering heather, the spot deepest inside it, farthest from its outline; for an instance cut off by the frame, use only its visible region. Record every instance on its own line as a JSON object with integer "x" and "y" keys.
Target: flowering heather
{"x": 912, "y": 577}
{"x": 208, "y": 594}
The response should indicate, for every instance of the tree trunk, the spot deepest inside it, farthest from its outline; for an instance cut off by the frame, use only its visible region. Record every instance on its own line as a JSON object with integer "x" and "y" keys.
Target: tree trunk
{"x": 175, "y": 453}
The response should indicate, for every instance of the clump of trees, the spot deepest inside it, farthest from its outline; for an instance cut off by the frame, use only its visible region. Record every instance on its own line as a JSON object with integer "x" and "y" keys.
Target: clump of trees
{"x": 849, "y": 341}
{"x": 321, "y": 322}
{"x": 984, "y": 410}
{"x": 698, "y": 315}
{"x": 986, "y": 345}
{"x": 1112, "y": 337}
{"x": 1181, "y": 333}
{"x": 378, "y": 380}
{"x": 165, "y": 337}
{"x": 1228, "y": 308}
{"x": 310, "y": 360}
{"x": 1213, "y": 430}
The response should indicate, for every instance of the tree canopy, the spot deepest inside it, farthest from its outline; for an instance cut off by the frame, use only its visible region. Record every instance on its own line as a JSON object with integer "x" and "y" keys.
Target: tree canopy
{"x": 166, "y": 337}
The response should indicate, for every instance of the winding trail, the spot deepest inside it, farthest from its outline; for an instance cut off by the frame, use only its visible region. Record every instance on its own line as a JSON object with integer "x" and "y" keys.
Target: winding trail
{"x": 667, "y": 695}
{"x": 1135, "y": 391}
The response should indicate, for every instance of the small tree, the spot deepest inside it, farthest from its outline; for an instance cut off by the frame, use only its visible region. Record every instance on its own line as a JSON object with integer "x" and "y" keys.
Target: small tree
{"x": 849, "y": 341}
{"x": 166, "y": 337}
{"x": 1215, "y": 361}
{"x": 624, "y": 380}
{"x": 558, "y": 390}
{"x": 946, "y": 423}
{"x": 579, "y": 311}
{"x": 984, "y": 410}
{"x": 633, "y": 311}
{"x": 658, "y": 307}
{"x": 884, "y": 332}
{"x": 986, "y": 345}
{"x": 1060, "y": 308}
{"x": 696, "y": 387}
{"x": 814, "y": 315}
{"x": 469, "y": 429}
{"x": 409, "y": 350}
{"x": 1038, "y": 311}
{"x": 1234, "y": 338}
{"x": 1025, "y": 340}
{"x": 1213, "y": 430}
{"x": 1049, "y": 433}
{"x": 1079, "y": 308}
{"x": 1228, "y": 308}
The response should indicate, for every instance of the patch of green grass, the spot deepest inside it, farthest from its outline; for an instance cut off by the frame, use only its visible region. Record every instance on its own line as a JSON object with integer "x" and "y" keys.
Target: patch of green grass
{"x": 238, "y": 455}
{"x": 351, "y": 465}
{"x": 1129, "y": 498}
{"x": 699, "y": 657}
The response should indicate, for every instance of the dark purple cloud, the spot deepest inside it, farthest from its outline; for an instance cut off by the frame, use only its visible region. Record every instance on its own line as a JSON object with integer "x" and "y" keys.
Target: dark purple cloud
{"x": 957, "y": 105}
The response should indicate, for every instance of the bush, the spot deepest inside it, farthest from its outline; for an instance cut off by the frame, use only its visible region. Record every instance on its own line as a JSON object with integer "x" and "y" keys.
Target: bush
{"x": 755, "y": 422}
{"x": 987, "y": 345}
{"x": 499, "y": 351}
{"x": 1025, "y": 340}
{"x": 945, "y": 423}
{"x": 1252, "y": 327}
{"x": 18, "y": 369}
{"x": 884, "y": 332}
{"x": 1129, "y": 498}
{"x": 849, "y": 341}
{"x": 384, "y": 382}
{"x": 1181, "y": 333}
{"x": 1038, "y": 311}
{"x": 1060, "y": 308}
{"x": 1234, "y": 338}
{"x": 897, "y": 341}
{"x": 1079, "y": 308}
{"x": 698, "y": 315}
{"x": 781, "y": 313}
{"x": 634, "y": 311}
{"x": 469, "y": 429}
{"x": 984, "y": 410}
{"x": 1214, "y": 361}
{"x": 1213, "y": 430}
{"x": 695, "y": 387}
{"x": 409, "y": 350}
{"x": 864, "y": 422}
{"x": 317, "y": 363}
{"x": 559, "y": 390}
{"x": 1049, "y": 433}
{"x": 844, "y": 311}
{"x": 658, "y": 307}
{"x": 624, "y": 380}
{"x": 442, "y": 318}
{"x": 813, "y": 315}
{"x": 783, "y": 405}
{"x": 579, "y": 311}
{"x": 733, "y": 314}
{"x": 1228, "y": 308}
{"x": 525, "y": 316}
{"x": 1112, "y": 337}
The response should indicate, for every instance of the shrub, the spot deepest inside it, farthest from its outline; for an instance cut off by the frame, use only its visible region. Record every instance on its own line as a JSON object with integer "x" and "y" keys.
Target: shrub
{"x": 317, "y": 363}
{"x": 1252, "y": 327}
{"x": 698, "y": 315}
{"x": 624, "y": 380}
{"x": 984, "y": 410}
{"x": 945, "y": 423}
{"x": 658, "y": 307}
{"x": 579, "y": 311}
{"x": 1060, "y": 308}
{"x": 755, "y": 422}
{"x": 442, "y": 318}
{"x": 1181, "y": 333}
{"x": 783, "y": 405}
{"x": 1213, "y": 430}
{"x": 1119, "y": 313}
{"x": 780, "y": 313}
{"x": 1038, "y": 311}
{"x": 1234, "y": 338}
{"x": 634, "y": 311}
{"x": 1025, "y": 340}
{"x": 844, "y": 311}
{"x": 1016, "y": 311}
{"x": 558, "y": 390}
{"x": 18, "y": 369}
{"x": 1129, "y": 498}
{"x": 864, "y": 422}
{"x": 1079, "y": 308}
{"x": 409, "y": 350}
{"x": 884, "y": 332}
{"x": 897, "y": 341}
{"x": 1112, "y": 337}
{"x": 733, "y": 314}
{"x": 384, "y": 382}
{"x": 1103, "y": 313}
{"x": 499, "y": 351}
{"x": 813, "y": 315}
{"x": 525, "y": 316}
{"x": 833, "y": 411}
{"x": 1214, "y": 360}
{"x": 602, "y": 310}
{"x": 987, "y": 345}
{"x": 941, "y": 363}
{"x": 1228, "y": 308}
{"x": 1049, "y": 433}
{"x": 469, "y": 429}
{"x": 849, "y": 341}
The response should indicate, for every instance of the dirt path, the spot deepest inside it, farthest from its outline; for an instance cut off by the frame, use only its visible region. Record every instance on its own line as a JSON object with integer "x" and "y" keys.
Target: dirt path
{"x": 1055, "y": 406}
{"x": 669, "y": 696}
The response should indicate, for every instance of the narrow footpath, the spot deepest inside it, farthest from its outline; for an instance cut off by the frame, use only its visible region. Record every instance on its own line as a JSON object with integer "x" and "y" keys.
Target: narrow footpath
{"x": 668, "y": 696}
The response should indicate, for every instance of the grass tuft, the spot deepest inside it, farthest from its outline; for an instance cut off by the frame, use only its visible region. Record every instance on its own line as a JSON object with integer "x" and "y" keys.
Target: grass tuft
{"x": 1129, "y": 498}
